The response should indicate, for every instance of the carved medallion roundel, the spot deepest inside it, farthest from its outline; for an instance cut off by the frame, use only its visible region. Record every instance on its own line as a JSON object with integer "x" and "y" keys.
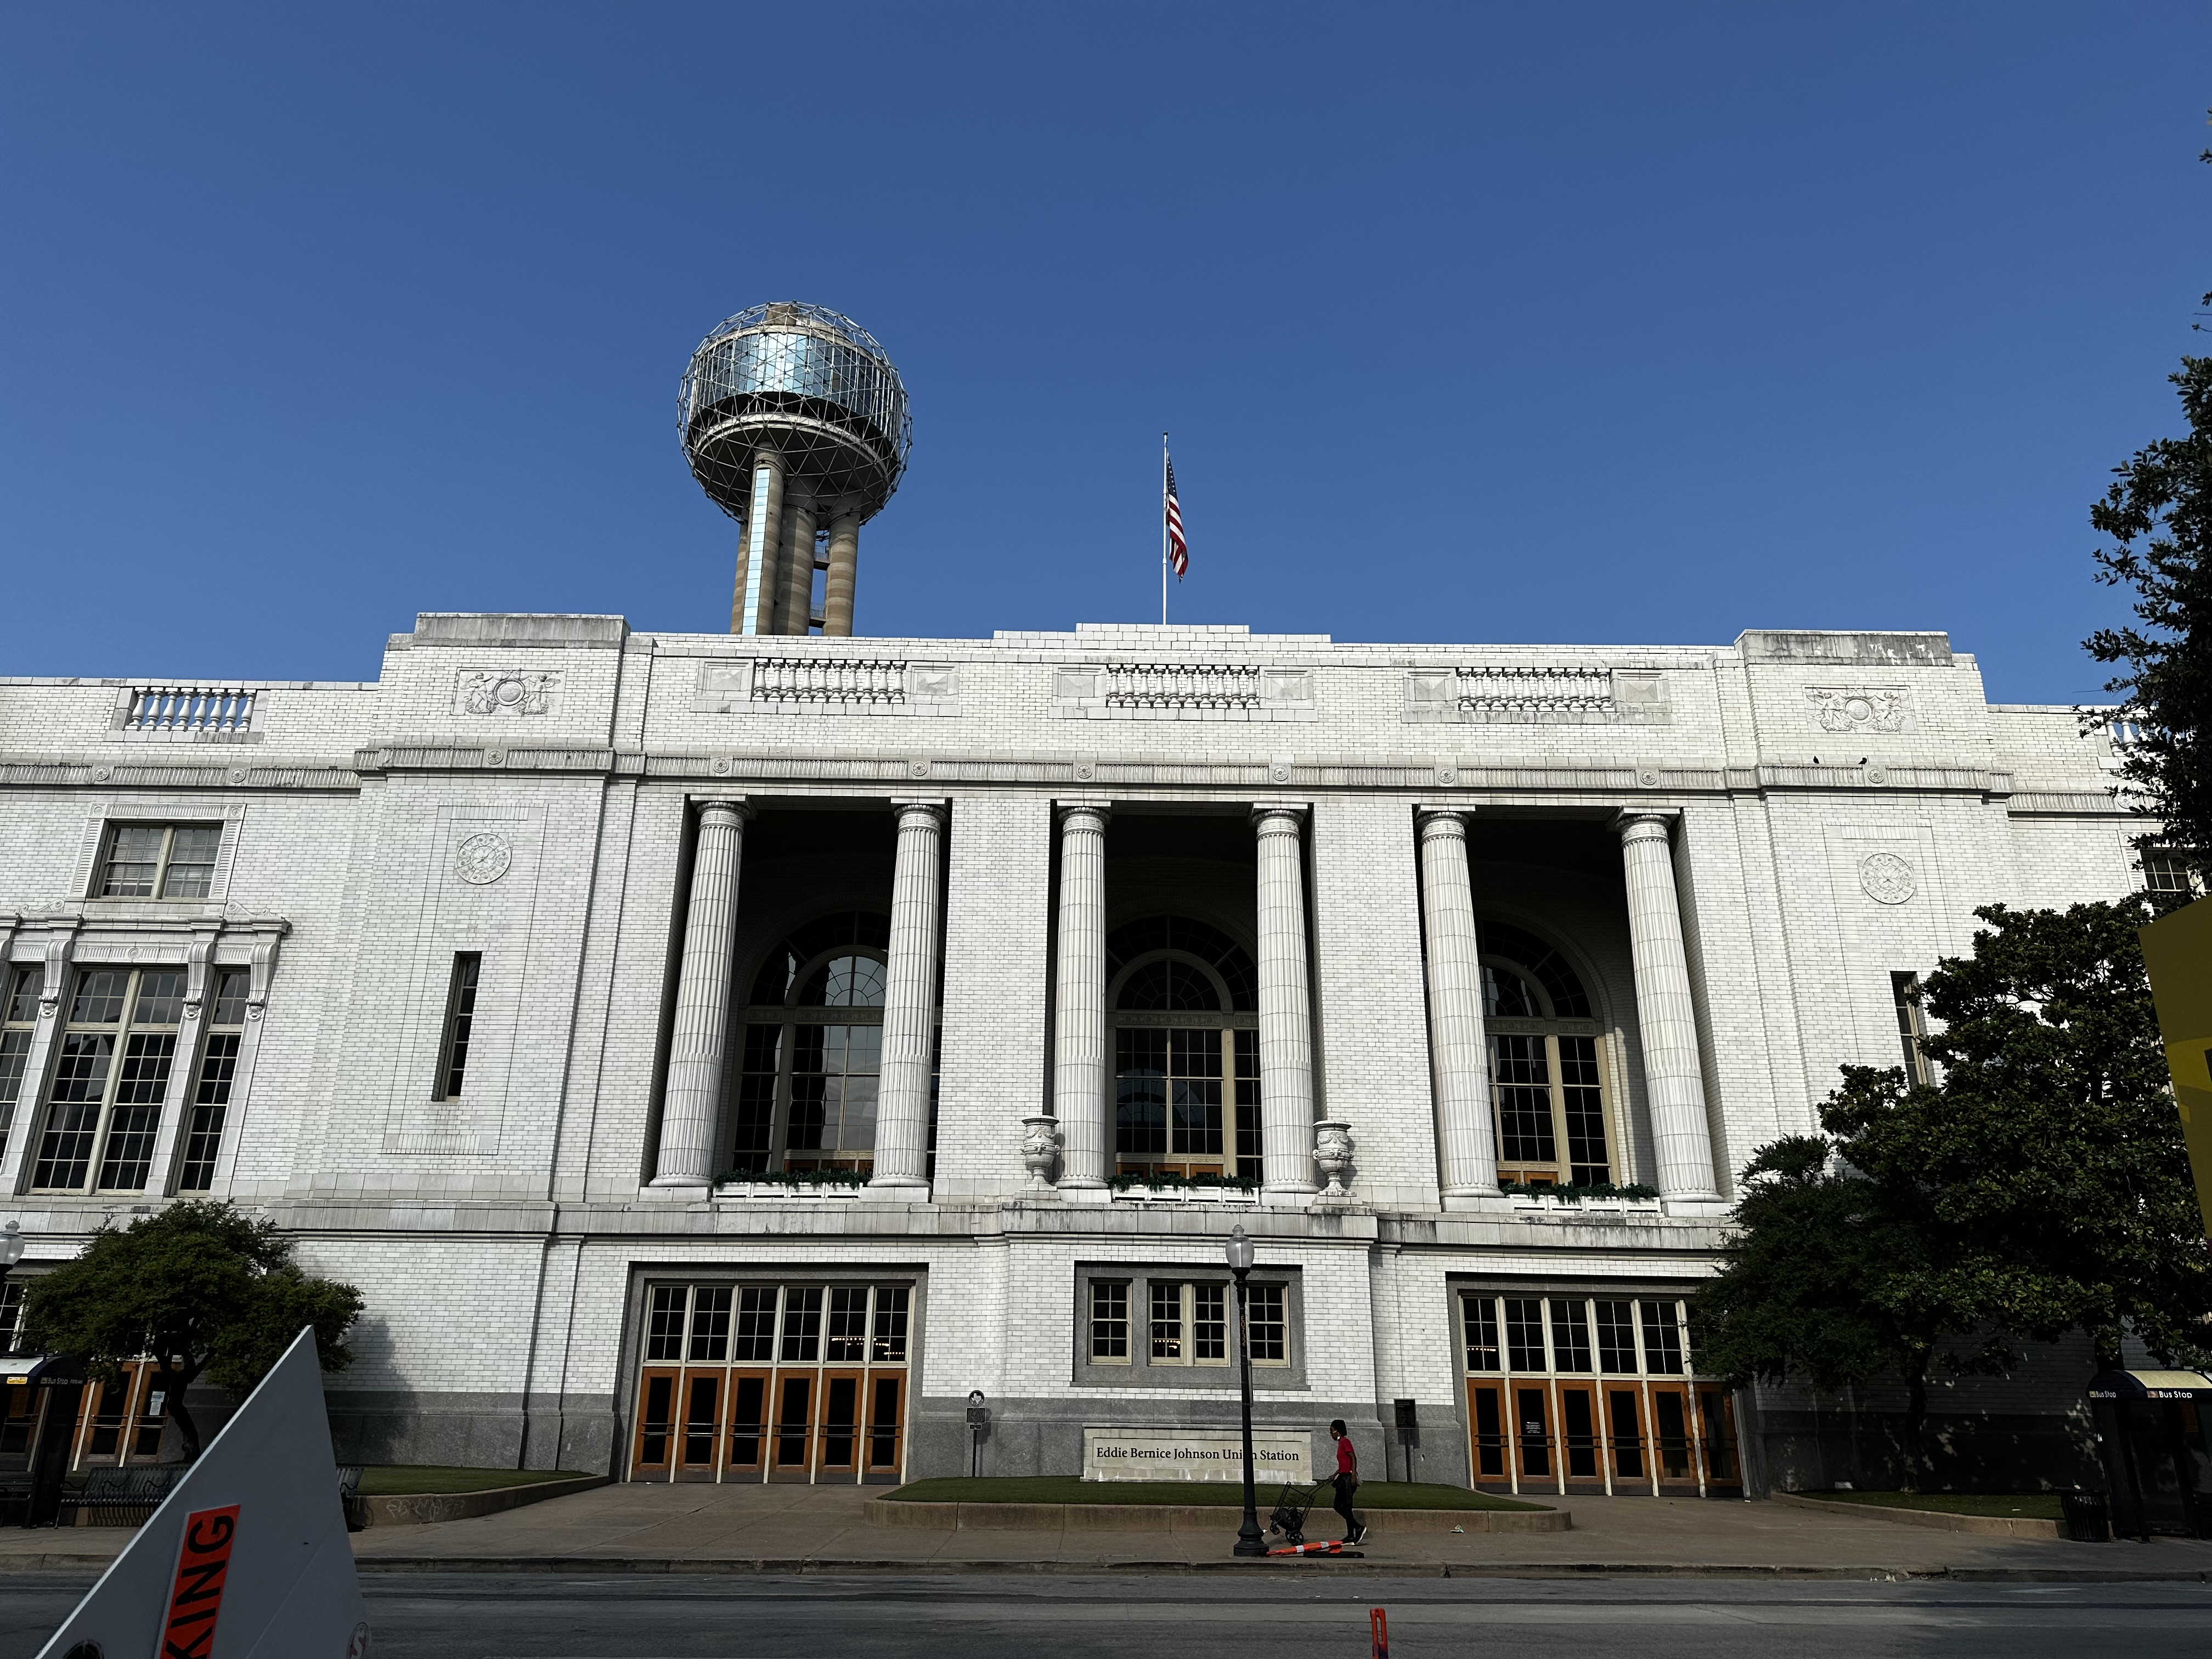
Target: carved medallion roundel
{"x": 1887, "y": 879}
{"x": 481, "y": 858}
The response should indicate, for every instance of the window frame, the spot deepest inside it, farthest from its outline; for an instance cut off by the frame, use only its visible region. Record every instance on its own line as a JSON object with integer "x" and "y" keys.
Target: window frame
{"x": 457, "y": 1030}
{"x": 163, "y": 863}
{"x": 119, "y": 1061}
{"x": 1236, "y": 1075}
{"x": 1140, "y": 1369}
{"x": 785, "y": 1019}
{"x": 20, "y": 985}
{"x": 1912, "y": 1026}
{"x": 224, "y": 1026}
{"x": 1552, "y": 1030}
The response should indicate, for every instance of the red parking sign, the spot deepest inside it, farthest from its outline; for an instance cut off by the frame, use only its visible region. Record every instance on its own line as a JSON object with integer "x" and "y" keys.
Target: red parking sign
{"x": 203, "y": 1564}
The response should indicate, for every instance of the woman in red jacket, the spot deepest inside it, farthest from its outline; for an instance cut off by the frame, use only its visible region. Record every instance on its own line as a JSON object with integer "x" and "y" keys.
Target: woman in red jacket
{"x": 1347, "y": 1481}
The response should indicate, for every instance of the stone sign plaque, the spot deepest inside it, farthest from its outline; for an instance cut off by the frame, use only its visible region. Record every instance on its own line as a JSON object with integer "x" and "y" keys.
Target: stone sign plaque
{"x": 1170, "y": 1454}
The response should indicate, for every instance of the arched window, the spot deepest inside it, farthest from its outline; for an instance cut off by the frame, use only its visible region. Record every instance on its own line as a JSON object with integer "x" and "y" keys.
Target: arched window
{"x": 804, "y": 1094}
{"x": 1547, "y": 1070}
{"x": 1184, "y": 997}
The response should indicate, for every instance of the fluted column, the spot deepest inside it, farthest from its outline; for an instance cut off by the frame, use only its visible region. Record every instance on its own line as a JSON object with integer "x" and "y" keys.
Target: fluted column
{"x": 753, "y": 609}
{"x": 909, "y": 1008}
{"x": 695, "y": 1048}
{"x": 1079, "y": 1058}
{"x": 844, "y": 571}
{"x": 1286, "y": 1090}
{"x": 1459, "y": 1048}
{"x": 1674, "y": 1084}
{"x": 795, "y": 609}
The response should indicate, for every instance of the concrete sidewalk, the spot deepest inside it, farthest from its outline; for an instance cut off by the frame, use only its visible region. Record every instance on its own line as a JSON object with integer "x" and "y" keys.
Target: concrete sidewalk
{"x": 750, "y": 1528}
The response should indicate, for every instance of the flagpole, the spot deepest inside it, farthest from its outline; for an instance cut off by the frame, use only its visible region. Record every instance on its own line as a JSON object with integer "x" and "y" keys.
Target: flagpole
{"x": 1164, "y": 530}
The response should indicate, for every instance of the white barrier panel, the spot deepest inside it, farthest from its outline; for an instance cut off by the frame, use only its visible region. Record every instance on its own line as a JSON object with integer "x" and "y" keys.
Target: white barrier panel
{"x": 247, "y": 1557}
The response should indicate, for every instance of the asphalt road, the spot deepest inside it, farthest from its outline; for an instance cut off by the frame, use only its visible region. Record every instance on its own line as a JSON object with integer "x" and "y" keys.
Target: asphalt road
{"x": 1065, "y": 1617}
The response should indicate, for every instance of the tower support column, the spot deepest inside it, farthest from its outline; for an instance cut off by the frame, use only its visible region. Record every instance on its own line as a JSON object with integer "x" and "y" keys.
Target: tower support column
{"x": 902, "y": 1169}
{"x": 1079, "y": 1068}
{"x": 701, "y": 1037}
{"x": 1458, "y": 1047}
{"x": 1674, "y": 1081}
{"x": 844, "y": 571}
{"x": 795, "y": 607}
{"x": 752, "y": 610}
{"x": 1286, "y": 1082}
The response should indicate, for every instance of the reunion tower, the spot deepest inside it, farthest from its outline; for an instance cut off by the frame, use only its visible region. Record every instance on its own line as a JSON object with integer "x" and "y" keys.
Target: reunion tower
{"x": 795, "y": 424}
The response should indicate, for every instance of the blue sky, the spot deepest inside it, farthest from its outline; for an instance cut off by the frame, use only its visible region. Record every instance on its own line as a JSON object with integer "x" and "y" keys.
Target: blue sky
{"x": 1596, "y": 323}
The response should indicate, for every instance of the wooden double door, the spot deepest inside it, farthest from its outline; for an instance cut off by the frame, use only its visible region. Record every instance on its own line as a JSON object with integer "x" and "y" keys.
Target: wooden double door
{"x": 1602, "y": 1435}
{"x": 803, "y": 1424}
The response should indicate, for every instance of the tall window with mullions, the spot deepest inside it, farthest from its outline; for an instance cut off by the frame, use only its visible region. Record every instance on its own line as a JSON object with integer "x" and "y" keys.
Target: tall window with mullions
{"x": 1547, "y": 1072}
{"x": 21, "y": 1015}
{"x": 211, "y": 1088}
{"x": 104, "y": 1107}
{"x": 1186, "y": 1050}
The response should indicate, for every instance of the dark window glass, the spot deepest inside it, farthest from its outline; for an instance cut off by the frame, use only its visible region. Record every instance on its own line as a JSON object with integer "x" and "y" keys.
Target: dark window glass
{"x": 1524, "y": 1100}
{"x": 1583, "y": 1107}
{"x": 1208, "y": 943}
{"x": 191, "y": 871}
{"x": 1169, "y": 986}
{"x": 1616, "y": 1338}
{"x": 1267, "y": 1324}
{"x": 802, "y": 1323}
{"x": 134, "y": 861}
{"x": 891, "y": 1325}
{"x": 1545, "y": 965}
{"x": 663, "y": 1330}
{"x": 460, "y": 1020}
{"x": 1524, "y": 1334}
{"x": 755, "y": 1335}
{"x": 1662, "y": 1339}
{"x": 1140, "y": 1091}
{"x": 1109, "y": 1319}
{"x": 846, "y": 1339}
{"x": 710, "y": 1321}
{"x": 1167, "y": 1321}
{"x": 1209, "y": 1322}
{"x": 1570, "y": 1343}
{"x": 1248, "y": 1143}
{"x": 1480, "y": 1317}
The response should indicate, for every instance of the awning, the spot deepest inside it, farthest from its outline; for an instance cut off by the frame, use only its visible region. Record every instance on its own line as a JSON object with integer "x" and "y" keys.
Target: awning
{"x": 40, "y": 1370}
{"x": 2150, "y": 1385}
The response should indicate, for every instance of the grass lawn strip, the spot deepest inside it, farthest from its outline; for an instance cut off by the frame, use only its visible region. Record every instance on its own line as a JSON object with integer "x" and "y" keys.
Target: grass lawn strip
{"x": 2012, "y": 1506}
{"x": 439, "y": 1480}
{"x": 1068, "y": 1489}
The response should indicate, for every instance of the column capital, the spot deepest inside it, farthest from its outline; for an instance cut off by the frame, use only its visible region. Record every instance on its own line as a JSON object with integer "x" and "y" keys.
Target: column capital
{"x": 1645, "y": 822}
{"x": 1066, "y": 808}
{"x": 1276, "y": 818}
{"x": 737, "y": 805}
{"x": 1443, "y": 823}
{"x": 935, "y": 806}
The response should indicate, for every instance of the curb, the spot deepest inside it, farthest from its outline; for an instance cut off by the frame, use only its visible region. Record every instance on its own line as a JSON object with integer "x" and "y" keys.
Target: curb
{"x": 1986, "y": 1526}
{"x": 420, "y": 1508}
{"x": 1182, "y": 1519}
{"x": 607, "y": 1566}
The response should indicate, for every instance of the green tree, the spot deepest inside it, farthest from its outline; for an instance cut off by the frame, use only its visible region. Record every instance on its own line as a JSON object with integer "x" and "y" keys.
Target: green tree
{"x": 1833, "y": 1276}
{"x": 2159, "y": 513}
{"x": 206, "y": 1290}
{"x": 2049, "y": 1152}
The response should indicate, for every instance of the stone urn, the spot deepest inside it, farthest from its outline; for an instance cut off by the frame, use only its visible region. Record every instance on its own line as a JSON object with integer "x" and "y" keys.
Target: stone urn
{"x": 1332, "y": 1151}
{"x": 1039, "y": 1146}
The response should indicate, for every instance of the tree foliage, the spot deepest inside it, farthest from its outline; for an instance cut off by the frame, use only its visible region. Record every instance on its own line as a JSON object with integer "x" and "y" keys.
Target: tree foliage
{"x": 2041, "y": 1185}
{"x": 202, "y": 1289}
{"x": 2050, "y": 1149}
{"x": 2159, "y": 513}
{"x": 1833, "y": 1276}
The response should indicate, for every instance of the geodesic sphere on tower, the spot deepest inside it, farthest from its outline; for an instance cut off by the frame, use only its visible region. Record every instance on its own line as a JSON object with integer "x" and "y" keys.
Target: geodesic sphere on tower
{"x": 803, "y": 381}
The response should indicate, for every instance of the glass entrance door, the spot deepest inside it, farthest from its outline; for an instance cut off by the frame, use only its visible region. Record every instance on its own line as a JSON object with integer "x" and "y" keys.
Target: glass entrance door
{"x": 765, "y": 1382}
{"x": 1592, "y": 1393}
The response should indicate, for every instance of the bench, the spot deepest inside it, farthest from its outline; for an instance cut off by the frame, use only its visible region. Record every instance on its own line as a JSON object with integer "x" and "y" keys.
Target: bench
{"x": 112, "y": 1497}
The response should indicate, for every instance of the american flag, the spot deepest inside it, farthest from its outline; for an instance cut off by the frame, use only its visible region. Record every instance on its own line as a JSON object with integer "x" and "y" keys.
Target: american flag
{"x": 1178, "y": 549}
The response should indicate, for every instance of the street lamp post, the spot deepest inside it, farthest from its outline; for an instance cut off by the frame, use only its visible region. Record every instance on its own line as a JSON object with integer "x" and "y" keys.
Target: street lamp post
{"x": 11, "y": 1252}
{"x": 1250, "y": 1540}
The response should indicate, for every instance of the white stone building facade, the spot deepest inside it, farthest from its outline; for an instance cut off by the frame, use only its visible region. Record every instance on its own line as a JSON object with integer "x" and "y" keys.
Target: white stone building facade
{"x": 549, "y": 986}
